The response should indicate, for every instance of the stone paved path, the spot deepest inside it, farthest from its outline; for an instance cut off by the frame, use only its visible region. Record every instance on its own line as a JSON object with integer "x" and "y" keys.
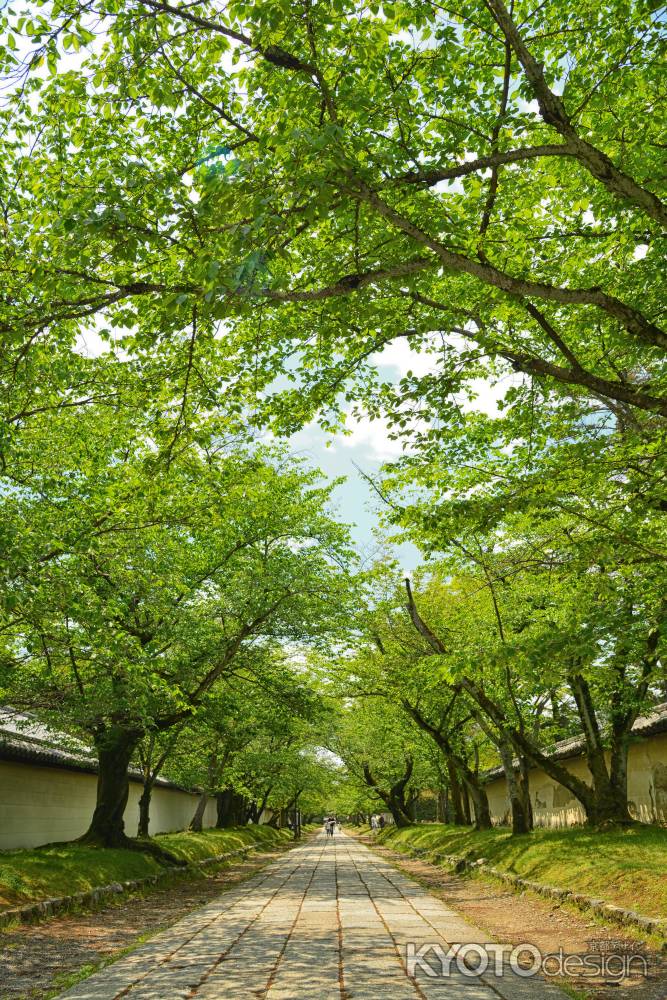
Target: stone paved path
{"x": 327, "y": 921}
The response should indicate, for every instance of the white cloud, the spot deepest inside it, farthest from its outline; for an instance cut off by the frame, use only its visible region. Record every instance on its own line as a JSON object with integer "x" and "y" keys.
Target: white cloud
{"x": 89, "y": 344}
{"x": 399, "y": 355}
{"x": 372, "y": 438}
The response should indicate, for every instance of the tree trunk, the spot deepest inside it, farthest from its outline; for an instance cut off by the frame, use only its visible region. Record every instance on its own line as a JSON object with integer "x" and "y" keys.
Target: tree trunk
{"x": 230, "y": 808}
{"x": 223, "y": 804}
{"x": 593, "y": 803}
{"x": 524, "y": 790}
{"x": 197, "y": 821}
{"x": 144, "y": 809}
{"x": 252, "y": 812}
{"x": 580, "y": 789}
{"x": 473, "y": 785}
{"x": 618, "y": 768}
{"x": 394, "y": 799}
{"x": 481, "y": 803}
{"x": 115, "y": 747}
{"x": 456, "y": 793}
{"x": 262, "y": 805}
{"x": 465, "y": 802}
{"x": 401, "y": 819}
{"x": 610, "y": 801}
{"x": 297, "y": 817}
{"x": 521, "y": 820}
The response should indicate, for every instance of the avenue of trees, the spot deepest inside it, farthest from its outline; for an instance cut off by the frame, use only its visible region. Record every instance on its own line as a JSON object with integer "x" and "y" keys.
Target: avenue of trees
{"x": 142, "y": 598}
{"x": 240, "y": 206}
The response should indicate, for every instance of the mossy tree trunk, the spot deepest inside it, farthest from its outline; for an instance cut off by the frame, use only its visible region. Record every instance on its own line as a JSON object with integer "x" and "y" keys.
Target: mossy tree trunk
{"x": 230, "y": 808}
{"x": 115, "y": 746}
{"x": 394, "y": 796}
{"x": 145, "y": 808}
{"x": 519, "y": 801}
{"x": 455, "y": 793}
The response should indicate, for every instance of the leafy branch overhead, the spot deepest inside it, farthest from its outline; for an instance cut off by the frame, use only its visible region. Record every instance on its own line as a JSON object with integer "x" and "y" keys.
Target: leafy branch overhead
{"x": 318, "y": 186}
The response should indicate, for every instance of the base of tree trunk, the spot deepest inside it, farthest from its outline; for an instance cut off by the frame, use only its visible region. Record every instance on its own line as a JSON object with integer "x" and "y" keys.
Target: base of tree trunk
{"x": 123, "y": 842}
{"x": 603, "y": 823}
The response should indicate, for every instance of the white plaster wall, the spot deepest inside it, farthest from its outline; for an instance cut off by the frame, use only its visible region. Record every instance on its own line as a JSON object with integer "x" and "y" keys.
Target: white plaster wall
{"x": 554, "y": 806}
{"x": 41, "y": 805}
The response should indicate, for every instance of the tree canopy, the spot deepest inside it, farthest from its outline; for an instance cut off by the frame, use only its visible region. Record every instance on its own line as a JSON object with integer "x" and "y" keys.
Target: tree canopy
{"x": 215, "y": 219}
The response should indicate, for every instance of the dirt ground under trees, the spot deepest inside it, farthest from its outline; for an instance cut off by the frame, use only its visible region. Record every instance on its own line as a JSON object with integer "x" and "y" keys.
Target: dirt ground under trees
{"x": 516, "y": 919}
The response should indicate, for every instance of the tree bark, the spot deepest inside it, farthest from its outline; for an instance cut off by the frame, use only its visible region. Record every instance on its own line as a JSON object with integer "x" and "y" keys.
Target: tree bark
{"x": 197, "y": 821}
{"x": 144, "y": 809}
{"x": 610, "y": 803}
{"x": 481, "y": 803}
{"x": 521, "y": 818}
{"x": 465, "y": 801}
{"x": 471, "y": 779}
{"x": 459, "y": 816}
{"x": 115, "y": 747}
{"x": 230, "y": 808}
{"x": 394, "y": 798}
{"x": 524, "y": 790}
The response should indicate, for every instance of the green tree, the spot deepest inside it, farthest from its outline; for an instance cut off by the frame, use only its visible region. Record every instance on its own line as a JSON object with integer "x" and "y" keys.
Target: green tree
{"x": 127, "y": 633}
{"x": 482, "y": 180}
{"x": 382, "y": 752}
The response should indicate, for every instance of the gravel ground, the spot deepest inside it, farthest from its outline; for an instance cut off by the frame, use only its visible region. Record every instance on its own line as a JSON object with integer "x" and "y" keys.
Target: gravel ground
{"x": 36, "y": 959}
{"x": 515, "y": 919}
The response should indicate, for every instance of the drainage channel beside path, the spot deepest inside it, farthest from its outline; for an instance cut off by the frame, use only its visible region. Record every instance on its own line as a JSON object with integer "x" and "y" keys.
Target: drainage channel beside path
{"x": 327, "y": 921}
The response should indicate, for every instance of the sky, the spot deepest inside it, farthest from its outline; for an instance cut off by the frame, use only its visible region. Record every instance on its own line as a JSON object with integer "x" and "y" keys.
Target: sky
{"x": 369, "y": 446}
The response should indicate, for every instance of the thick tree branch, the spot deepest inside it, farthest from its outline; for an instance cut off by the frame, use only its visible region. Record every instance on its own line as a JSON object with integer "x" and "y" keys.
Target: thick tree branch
{"x": 553, "y": 112}
{"x": 629, "y": 317}
{"x": 427, "y": 178}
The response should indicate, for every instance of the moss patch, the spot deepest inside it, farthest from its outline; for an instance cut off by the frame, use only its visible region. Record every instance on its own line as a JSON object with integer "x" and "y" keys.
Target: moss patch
{"x": 627, "y": 867}
{"x": 63, "y": 869}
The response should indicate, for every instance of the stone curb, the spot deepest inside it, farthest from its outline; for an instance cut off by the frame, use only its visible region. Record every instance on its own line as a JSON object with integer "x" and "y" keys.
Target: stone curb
{"x": 616, "y": 914}
{"x": 61, "y": 904}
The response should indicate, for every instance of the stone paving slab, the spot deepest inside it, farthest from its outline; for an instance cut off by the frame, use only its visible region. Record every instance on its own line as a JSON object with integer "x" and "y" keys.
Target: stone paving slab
{"x": 327, "y": 921}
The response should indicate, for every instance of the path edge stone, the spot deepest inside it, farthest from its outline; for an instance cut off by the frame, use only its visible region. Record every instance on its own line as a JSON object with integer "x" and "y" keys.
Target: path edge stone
{"x": 45, "y": 908}
{"x": 598, "y": 907}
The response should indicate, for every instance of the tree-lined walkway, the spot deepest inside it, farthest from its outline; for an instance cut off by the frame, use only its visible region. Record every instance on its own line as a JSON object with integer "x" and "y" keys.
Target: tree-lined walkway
{"x": 328, "y": 921}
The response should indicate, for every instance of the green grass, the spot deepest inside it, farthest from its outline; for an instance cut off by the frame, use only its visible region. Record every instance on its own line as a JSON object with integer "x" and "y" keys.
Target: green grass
{"x": 62, "y": 869}
{"x": 627, "y": 867}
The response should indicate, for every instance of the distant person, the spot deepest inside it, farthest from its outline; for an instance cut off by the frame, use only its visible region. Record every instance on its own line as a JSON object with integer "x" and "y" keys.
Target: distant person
{"x": 381, "y": 821}
{"x": 374, "y": 822}
{"x": 330, "y": 827}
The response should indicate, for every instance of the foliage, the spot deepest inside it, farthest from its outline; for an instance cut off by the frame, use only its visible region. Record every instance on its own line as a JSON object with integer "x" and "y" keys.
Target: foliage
{"x": 484, "y": 183}
{"x": 241, "y": 207}
{"x": 169, "y": 581}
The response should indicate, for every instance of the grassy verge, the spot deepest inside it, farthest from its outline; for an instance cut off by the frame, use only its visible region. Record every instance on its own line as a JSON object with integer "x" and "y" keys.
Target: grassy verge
{"x": 62, "y": 869}
{"x": 625, "y": 867}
